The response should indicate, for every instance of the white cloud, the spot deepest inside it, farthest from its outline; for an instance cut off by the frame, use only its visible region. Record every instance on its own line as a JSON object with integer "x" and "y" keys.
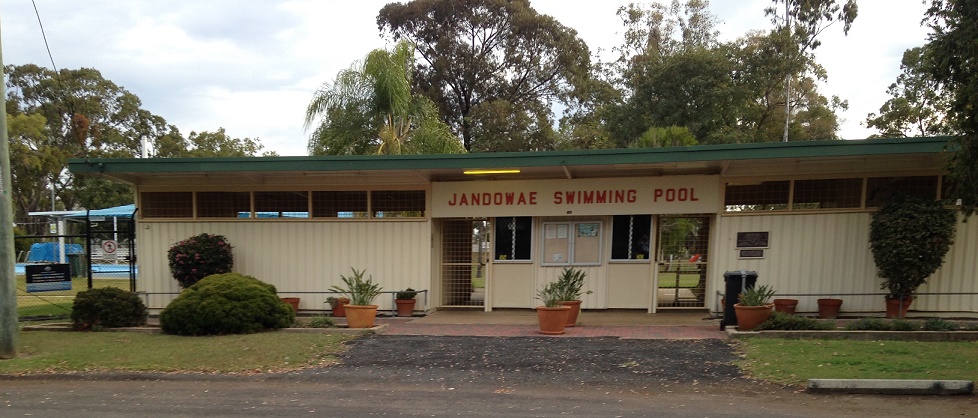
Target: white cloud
{"x": 251, "y": 66}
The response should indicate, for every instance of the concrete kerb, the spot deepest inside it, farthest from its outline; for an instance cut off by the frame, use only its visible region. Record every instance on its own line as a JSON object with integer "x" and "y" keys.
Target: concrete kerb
{"x": 892, "y": 386}
{"x": 68, "y": 327}
{"x": 923, "y": 336}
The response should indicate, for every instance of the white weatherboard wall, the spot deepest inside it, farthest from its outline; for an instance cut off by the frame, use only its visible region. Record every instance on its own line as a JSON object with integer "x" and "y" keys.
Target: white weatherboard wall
{"x": 829, "y": 254}
{"x": 613, "y": 284}
{"x": 299, "y": 256}
{"x": 959, "y": 274}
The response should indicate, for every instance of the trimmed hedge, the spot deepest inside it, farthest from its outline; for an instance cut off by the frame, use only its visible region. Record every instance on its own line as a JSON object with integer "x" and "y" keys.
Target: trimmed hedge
{"x": 229, "y": 303}
{"x": 789, "y": 322}
{"x": 107, "y": 307}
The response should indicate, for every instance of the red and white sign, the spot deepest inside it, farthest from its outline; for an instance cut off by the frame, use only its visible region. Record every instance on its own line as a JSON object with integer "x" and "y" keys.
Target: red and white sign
{"x": 655, "y": 195}
{"x": 109, "y": 247}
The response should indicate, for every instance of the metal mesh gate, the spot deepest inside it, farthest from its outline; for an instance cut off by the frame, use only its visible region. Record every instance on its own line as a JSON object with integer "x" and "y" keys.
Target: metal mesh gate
{"x": 99, "y": 251}
{"x": 682, "y": 245}
{"x": 465, "y": 252}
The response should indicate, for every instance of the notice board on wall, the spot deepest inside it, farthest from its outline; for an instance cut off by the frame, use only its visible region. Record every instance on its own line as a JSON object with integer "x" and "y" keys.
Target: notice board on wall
{"x": 556, "y": 244}
{"x": 587, "y": 243}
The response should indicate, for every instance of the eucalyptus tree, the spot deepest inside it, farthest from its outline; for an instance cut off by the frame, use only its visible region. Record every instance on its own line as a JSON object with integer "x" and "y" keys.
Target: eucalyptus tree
{"x": 800, "y": 25}
{"x": 674, "y": 72}
{"x": 369, "y": 108}
{"x": 77, "y": 113}
{"x": 71, "y": 114}
{"x": 918, "y": 104}
{"x": 486, "y": 61}
{"x": 953, "y": 62}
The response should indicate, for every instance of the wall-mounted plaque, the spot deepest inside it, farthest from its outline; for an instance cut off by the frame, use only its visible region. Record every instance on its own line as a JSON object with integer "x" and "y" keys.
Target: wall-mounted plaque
{"x": 752, "y": 239}
{"x": 750, "y": 253}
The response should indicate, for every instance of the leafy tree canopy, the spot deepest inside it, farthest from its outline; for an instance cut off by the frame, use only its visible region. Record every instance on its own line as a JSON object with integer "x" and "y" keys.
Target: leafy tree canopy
{"x": 918, "y": 104}
{"x": 481, "y": 58}
{"x": 953, "y": 63}
{"x": 76, "y": 114}
{"x": 672, "y": 71}
{"x": 369, "y": 108}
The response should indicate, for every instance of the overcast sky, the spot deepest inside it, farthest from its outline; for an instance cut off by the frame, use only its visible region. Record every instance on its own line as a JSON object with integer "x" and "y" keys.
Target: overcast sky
{"x": 252, "y": 66}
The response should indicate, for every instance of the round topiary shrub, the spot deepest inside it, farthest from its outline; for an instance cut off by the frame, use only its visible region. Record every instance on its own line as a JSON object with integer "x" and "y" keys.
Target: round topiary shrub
{"x": 229, "y": 303}
{"x": 909, "y": 237}
{"x": 107, "y": 307}
{"x": 199, "y": 256}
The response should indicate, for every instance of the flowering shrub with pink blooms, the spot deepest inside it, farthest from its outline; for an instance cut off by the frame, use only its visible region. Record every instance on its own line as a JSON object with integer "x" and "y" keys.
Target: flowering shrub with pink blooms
{"x": 200, "y": 256}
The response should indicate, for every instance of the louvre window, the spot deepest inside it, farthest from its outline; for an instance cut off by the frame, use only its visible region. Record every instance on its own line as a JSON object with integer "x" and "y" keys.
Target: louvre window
{"x": 630, "y": 237}
{"x": 879, "y": 189}
{"x": 223, "y": 205}
{"x": 281, "y": 204}
{"x": 513, "y": 238}
{"x": 340, "y": 204}
{"x": 766, "y": 196}
{"x": 166, "y": 205}
{"x": 827, "y": 194}
{"x": 397, "y": 203}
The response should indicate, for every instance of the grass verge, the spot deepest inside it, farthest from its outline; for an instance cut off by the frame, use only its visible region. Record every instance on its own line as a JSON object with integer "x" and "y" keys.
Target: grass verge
{"x": 796, "y": 361}
{"x": 57, "y": 303}
{"x": 50, "y": 352}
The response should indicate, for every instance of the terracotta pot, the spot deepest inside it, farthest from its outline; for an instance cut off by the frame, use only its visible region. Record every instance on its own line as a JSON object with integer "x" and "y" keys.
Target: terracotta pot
{"x": 553, "y": 320}
{"x": 893, "y": 309}
{"x": 829, "y": 308}
{"x": 294, "y": 302}
{"x": 575, "y": 311}
{"x": 749, "y": 317}
{"x": 339, "y": 310}
{"x": 405, "y": 307}
{"x": 785, "y": 305}
{"x": 360, "y": 316}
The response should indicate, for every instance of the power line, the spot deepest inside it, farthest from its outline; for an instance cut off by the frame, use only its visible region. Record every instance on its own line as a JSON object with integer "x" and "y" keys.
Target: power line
{"x": 44, "y": 36}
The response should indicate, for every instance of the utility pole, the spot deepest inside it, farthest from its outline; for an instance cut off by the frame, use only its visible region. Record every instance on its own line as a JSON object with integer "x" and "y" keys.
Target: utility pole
{"x": 8, "y": 278}
{"x": 787, "y": 77}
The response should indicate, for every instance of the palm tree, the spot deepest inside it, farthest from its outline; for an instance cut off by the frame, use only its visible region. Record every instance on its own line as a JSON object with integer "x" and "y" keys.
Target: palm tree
{"x": 369, "y": 108}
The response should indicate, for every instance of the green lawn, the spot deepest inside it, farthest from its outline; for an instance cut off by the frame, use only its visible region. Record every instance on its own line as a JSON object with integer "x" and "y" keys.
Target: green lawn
{"x": 796, "y": 361}
{"x": 667, "y": 280}
{"x": 59, "y": 302}
{"x": 46, "y": 351}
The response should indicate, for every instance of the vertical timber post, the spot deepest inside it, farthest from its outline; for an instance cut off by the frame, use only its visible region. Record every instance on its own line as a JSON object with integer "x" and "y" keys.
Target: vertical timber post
{"x": 8, "y": 278}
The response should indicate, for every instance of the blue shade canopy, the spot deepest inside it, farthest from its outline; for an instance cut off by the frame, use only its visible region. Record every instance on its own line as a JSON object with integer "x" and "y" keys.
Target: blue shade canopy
{"x": 124, "y": 211}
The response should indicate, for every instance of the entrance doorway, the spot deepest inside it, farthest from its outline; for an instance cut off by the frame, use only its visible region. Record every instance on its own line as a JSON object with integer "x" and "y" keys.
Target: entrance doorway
{"x": 465, "y": 254}
{"x": 681, "y": 254}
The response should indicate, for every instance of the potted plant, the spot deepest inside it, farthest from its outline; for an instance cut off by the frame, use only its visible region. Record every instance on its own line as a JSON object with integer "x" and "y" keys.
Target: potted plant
{"x": 552, "y": 315}
{"x": 293, "y": 302}
{"x": 338, "y": 305}
{"x": 909, "y": 237}
{"x": 405, "y": 302}
{"x": 828, "y": 308}
{"x": 754, "y": 307}
{"x": 360, "y": 312}
{"x": 571, "y": 283}
{"x": 787, "y": 306}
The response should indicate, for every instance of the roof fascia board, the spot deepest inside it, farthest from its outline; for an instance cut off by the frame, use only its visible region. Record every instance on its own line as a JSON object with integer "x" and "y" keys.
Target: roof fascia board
{"x": 725, "y": 152}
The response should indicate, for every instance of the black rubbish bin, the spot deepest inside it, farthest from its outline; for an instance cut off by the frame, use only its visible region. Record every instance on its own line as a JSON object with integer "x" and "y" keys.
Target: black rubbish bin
{"x": 736, "y": 282}
{"x": 77, "y": 264}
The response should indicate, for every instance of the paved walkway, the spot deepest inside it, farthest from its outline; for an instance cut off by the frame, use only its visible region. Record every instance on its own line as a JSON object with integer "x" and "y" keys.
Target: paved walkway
{"x": 523, "y": 323}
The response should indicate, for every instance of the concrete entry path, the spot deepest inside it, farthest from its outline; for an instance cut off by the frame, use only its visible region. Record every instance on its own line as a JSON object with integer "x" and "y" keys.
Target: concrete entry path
{"x": 635, "y": 324}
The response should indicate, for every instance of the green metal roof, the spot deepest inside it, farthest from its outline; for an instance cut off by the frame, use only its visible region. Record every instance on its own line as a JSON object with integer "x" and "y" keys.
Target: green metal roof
{"x": 700, "y": 153}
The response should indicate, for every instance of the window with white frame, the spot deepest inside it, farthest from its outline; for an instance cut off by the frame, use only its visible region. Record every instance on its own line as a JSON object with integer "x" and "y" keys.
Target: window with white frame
{"x": 571, "y": 243}
{"x": 630, "y": 237}
{"x": 513, "y": 238}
